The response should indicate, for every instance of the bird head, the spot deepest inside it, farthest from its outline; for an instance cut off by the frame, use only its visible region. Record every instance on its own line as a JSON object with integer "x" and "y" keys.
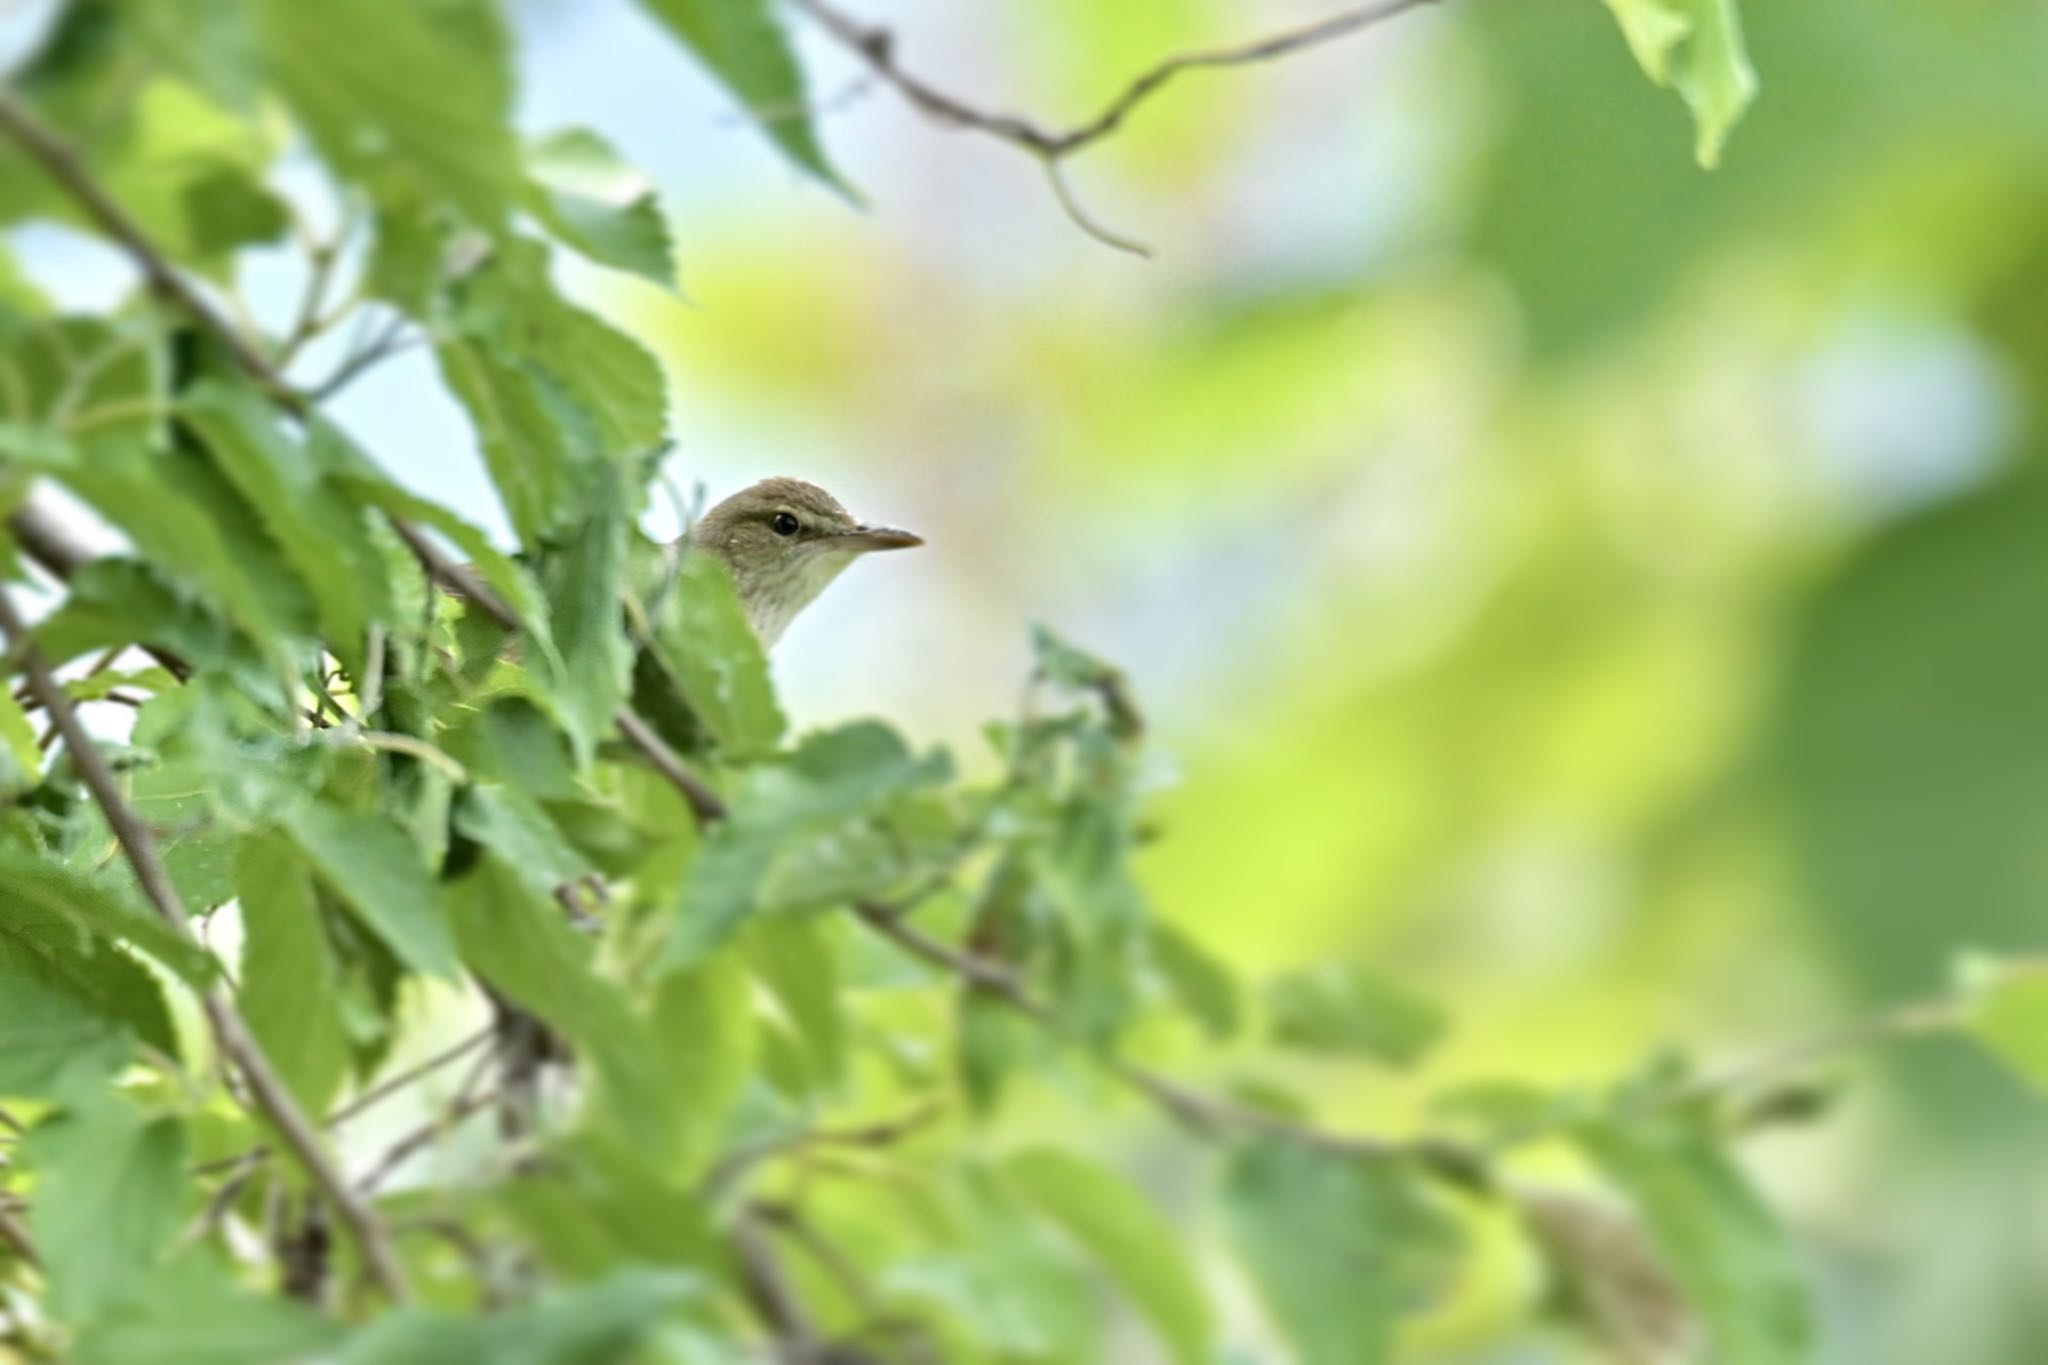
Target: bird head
{"x": 784, "y": 540}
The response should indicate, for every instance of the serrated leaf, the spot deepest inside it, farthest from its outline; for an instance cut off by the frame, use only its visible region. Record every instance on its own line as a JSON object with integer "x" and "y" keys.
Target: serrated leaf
{"x": 560, "y": 399}
{"x": 1719, "y": 1239}
{"x": 504, "y": 575}
{"x": 320, "y": 532}
{"x": 705, "y": 646}
{"x": 1336, "y": 1245}
{"x": 1696, "y": 48}
{"x": 32, "y": 884}
{"x": 110, "y": 1191}
{"x": 585, "y": 602}
{"x": 592, "y": 200}
{"x": 1138, "y": 1248}
{"x": 1338, "y": 1008}
{"x": 372, "y": 867}
{"x": 290, "y": 983}
{"x": 741, "y": 44}
{"x": 833, "y": 777}
{"x": 71, "y": 1006}
{"x": 514, "y": 936}
{"x": 384, "y": 86}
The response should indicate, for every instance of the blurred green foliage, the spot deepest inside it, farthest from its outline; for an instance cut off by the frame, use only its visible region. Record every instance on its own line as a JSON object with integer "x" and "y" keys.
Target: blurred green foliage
{"x": 1588, "y": 602}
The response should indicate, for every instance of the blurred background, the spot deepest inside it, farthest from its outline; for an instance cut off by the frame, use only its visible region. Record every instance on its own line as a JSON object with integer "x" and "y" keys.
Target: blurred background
{"x": 1609, "y": 595}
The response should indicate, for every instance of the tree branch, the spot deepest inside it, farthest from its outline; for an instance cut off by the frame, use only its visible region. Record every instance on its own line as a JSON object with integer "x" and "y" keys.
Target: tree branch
{"x": 230, "y": 1031}
{"x": 877, "y": 47}
{"x": 65, "y": 167}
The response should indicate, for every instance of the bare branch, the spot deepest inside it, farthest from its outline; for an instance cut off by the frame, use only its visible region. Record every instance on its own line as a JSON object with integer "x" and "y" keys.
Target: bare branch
{"x": 230, "y": 1031}
{"x": 877, "y": 47}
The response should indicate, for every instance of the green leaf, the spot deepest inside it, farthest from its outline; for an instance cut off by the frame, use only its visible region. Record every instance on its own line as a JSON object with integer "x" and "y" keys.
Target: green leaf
{"x": 599, "y": 1209}
{"x": 1733, "y": 1260}
{"x": 190, "y": 526}
{"x": 797, "y": 958}
{"x": 2007, "y": 1011}
{"x": 1199, "y": 980}
{"x": 1696, "y": 48}
{"x": 394, "y": 87}
{"x": 596, "y": 1324}
{"x": 560, "y": 399}
{"x": 71, "y": 1007}
{"x": 529, "y": 456}
{"x": 372, "y": 867}
{"x": 291, "y": 982}
{"x": 21, "y": 761}
{"x": 704, "y": 644}
{"x": 1139, "y": 1249}
{"x": 1343, "y": 1009}
{"x": 192, "y": 1310}
{"x": 503, "y": 574}
{"x": 743, "y": 45}
{"x": 110, "y": 1191}
{"x": 592, "y": 200}
{"x": 703, "y": 1027}
{"x": 586, "y": 603}
{"x": 1336, "y": 1245}
{"x": 321, "y": 533}
{"x": 833, "y": 779}
{"x": 514, "y": 936}
{"x": 59, "y": 892}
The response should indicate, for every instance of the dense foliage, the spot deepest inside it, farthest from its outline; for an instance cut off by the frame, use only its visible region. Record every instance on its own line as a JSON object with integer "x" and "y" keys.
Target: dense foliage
{"x": 702, "y": 1035}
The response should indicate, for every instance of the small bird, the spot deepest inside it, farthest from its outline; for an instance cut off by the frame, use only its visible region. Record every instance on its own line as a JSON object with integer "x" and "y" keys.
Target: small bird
{"x": 784, "y": 540}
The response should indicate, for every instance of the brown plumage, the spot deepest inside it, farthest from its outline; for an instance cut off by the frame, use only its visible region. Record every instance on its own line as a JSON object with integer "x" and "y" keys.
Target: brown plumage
{"x": 784, "y": 540}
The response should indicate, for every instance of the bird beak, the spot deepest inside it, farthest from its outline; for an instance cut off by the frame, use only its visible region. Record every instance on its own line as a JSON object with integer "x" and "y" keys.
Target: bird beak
{"x": 878, "y": 538}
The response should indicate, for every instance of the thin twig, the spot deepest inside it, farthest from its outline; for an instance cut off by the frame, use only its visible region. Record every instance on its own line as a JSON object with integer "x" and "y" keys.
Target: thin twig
{"x": 767, "y": 1287}
{"x": 877, "y": 47}
{"x": 230, "y": 1031}
{"x": 426, "y": 1135}
{"x": 887, "y": 1133}
{"x": 392, "y": 340}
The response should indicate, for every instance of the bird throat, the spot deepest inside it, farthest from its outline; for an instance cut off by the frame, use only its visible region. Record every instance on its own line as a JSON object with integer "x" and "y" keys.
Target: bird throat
{"x": 772, "y": 599}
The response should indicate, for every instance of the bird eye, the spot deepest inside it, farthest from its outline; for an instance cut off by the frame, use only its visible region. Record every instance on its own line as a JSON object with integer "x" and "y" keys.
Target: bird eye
{"x": 786, "y": 524}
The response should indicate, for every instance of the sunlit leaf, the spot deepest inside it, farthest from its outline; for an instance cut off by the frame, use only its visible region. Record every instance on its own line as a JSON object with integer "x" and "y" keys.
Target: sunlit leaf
{"x": 742, "y": 43}
{"x": 1136, "y": 1246}
{"x": 367, "y": 861}
{"x": 290, "y": 982}
{"x": 388, "y": 85}
{"x": 110, "y": 1190}
{"x": 1337, "y": 1245}
{"x": 596, "y": 1324}
{"x": 192, "y": 1309}
{"x": 1344, "y": 1009}
{"x": 705, "y": 646}
{"x": 2007, "y": 1010}
{"x": 595, "y": 202}
{"x": 1727, "y": 1251}
{"x": 1696, "y": 47}
{"x": 319, "y": 531}
{"x": 37, "y": 885}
